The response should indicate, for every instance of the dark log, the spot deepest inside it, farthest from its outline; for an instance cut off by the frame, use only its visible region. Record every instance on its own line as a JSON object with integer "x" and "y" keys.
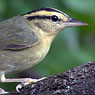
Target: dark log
{"x": 77, "y": 81}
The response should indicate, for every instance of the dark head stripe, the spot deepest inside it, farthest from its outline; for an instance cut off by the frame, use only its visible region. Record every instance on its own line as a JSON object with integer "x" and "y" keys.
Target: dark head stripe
{"x": 38, "y": 17}
{"x": 43, "y": 9}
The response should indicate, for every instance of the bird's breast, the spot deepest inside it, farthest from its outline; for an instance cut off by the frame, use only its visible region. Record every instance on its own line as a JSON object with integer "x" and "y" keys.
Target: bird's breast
{"x": 43, "y": 47}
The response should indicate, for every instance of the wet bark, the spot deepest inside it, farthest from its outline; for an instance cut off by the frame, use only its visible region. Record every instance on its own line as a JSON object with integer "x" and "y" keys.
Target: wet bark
{"x": 77, "y": 81}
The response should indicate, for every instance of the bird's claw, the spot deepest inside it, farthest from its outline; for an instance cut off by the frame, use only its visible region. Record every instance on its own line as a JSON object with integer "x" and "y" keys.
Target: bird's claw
{"x": 29, "y": 81}
{"x": 19, "y": 87}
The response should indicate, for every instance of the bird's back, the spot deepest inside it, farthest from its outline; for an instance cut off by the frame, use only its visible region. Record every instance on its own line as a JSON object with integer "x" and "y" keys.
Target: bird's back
{"x": 16, "y": 31}
{"x": 15, "y": 36}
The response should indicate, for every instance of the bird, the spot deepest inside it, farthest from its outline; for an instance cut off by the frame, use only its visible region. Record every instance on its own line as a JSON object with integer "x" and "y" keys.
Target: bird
{"x": 26, "y": 39}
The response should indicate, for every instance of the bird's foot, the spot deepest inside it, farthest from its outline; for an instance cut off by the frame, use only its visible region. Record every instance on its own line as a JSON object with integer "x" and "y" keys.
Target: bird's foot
{"x": 2, "y": 91}
{"x": 27, "y": 82}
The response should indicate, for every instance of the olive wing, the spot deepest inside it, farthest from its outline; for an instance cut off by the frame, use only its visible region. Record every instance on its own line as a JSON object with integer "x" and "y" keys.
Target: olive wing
{"x": 15, "y": 34}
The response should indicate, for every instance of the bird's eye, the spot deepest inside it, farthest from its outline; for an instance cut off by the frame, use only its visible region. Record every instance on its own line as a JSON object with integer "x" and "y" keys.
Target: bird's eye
{"x": 54, "y": 18}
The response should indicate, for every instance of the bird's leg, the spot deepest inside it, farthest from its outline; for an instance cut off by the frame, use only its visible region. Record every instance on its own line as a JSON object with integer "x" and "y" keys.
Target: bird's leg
{"x": 24, "y": 81}
{"x": 2, "y": 91}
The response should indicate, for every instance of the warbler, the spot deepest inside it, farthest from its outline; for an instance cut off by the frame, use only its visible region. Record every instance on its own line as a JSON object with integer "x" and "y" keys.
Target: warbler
{"x": 26, "y": 39}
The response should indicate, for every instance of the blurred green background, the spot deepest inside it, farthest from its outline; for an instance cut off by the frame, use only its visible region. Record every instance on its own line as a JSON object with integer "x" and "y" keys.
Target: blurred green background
{"x": 72, "y": 47}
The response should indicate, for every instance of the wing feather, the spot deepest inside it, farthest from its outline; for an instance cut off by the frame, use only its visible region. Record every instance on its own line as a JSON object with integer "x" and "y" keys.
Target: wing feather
{"x": 15, "y": 34}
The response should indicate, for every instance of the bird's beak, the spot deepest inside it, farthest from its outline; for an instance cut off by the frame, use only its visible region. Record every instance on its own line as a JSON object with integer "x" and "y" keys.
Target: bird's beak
{"x": 73, "y": 22}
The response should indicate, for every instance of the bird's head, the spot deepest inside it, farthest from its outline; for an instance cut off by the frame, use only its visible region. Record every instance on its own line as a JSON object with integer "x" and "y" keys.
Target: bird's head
{"x": 51, "y": 20}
